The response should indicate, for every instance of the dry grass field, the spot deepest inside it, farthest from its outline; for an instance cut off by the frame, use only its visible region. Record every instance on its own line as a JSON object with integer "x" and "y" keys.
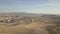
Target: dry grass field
{"x": 30, "y": 25}
{"x": 31, "y": 28}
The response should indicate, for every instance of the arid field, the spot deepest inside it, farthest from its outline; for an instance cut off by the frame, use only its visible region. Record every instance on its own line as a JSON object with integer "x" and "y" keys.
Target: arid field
{"x": 32, "y": 28}
{"x": 46, "y": 24}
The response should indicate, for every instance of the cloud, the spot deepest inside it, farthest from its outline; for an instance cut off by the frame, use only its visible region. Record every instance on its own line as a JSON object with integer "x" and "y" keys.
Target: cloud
{"x": 54, "y": 2}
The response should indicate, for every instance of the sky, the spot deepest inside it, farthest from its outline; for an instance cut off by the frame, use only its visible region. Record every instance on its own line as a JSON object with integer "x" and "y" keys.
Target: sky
{"x": 30, "y": 6}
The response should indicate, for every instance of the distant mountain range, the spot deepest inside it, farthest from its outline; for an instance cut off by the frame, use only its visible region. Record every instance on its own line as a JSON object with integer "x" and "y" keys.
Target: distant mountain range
{"x": 19, "y": 14}
{"x": 23, "y": 14}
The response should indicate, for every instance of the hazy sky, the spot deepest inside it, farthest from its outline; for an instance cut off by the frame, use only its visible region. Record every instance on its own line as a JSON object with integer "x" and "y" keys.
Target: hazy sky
{"x": 32, "y": 6}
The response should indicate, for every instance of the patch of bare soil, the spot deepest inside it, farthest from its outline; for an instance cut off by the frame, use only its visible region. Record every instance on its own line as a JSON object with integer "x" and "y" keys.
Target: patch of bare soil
{"x": 32, "y": 28}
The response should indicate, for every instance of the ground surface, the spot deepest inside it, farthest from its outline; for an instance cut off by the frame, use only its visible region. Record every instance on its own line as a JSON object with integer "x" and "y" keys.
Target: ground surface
{"x": 32, "y": 28}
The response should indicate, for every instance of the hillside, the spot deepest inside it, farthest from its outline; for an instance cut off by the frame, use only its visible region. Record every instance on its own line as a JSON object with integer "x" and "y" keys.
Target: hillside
{"x": 38, "y": 24}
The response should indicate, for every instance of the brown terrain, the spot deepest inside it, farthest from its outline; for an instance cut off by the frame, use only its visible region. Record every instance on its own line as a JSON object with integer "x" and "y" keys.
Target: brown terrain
{"x": 43, "y": 24}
